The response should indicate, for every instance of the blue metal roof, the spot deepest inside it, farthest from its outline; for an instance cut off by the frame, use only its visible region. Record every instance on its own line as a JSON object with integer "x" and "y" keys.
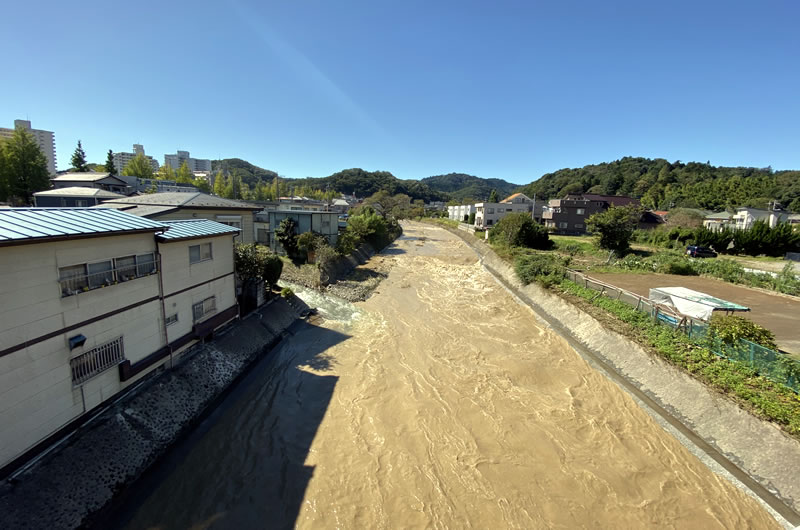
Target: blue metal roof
{"x": 20, "y": 225}
{"x": 194, "y": 228}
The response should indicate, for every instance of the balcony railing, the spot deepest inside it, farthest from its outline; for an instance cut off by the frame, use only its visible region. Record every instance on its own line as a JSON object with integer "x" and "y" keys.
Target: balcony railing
{"x": 96, "y": 361}
{"x": 76, "y": 284}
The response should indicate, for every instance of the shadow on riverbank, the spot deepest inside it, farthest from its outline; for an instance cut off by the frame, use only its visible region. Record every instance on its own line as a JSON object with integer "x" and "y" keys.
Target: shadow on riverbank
{"x": 244, "y": 466}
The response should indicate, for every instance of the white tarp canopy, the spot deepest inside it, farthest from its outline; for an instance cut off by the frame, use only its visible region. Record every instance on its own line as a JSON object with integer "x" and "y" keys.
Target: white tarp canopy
{"x": 692, "y": 303}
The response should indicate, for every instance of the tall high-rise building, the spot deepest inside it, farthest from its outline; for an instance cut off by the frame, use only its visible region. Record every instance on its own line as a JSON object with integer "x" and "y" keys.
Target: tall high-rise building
{"x": 195, "y": 164}
{"x": 121, "y": 159}
{"x": 45, "y": 139}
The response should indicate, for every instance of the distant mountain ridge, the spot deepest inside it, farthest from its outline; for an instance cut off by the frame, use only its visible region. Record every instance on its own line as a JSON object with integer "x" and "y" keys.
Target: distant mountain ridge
{"x": 462, "y": 186}
{"x": 663, "y": 185}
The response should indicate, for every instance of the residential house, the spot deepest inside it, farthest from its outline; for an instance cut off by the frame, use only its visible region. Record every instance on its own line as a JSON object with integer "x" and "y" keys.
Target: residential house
{"x": 103, "y": 181}
{"x": 744, "y": 218}
{"x": 76, "y": 197}
{"x": 85, "y": 294}
{"x": 460, "y": 212}
{"x": 180, "y": 205}
{"x": 324, "y": 223}
{"x": 650, "y": 220}
{"x": 488, "y": 213}
{"x": 569, "y": 215}
{"x": 140, "y": 185}
{"x": 718, "y": 221}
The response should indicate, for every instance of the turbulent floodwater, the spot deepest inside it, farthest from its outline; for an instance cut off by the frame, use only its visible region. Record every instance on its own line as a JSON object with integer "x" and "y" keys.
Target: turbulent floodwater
{"x": 439, "y": 402}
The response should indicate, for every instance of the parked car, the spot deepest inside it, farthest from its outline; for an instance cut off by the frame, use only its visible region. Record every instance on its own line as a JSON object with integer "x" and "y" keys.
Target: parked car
{"x": 700, "y": 252}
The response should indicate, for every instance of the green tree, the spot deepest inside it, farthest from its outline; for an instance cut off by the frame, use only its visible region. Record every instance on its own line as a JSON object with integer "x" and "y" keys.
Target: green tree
{"x": 139, "y": 166}
{"x": 220, "y": 182}
{"x": 286, "y": 234}
{"x": 202, "y": 185}
{"x": 23, "y": 168}
{"x": 493, "y": 196}
{"x": 184, "y": 175}
{"x": 110, "y": 167}
{"x": 614, "y": 227}
{"x": 165, "y": 172}
{"x": 79, "y": 159}
{"x": 520, "y": 230}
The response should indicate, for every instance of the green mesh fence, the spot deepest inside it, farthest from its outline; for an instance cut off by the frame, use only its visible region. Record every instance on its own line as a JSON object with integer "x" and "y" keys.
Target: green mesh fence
{"x": 771, "y": 364}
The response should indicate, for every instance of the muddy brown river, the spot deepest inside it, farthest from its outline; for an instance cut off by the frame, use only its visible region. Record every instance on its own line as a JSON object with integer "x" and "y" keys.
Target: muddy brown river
{"x": 439, "y": 403}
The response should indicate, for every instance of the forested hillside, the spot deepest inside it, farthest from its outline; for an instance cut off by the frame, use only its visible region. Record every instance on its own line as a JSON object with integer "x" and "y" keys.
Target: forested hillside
{"x": 462, "y": 186}
{"x": 250, "y": 174}
{"x": 662, "y": 185}
{"x": 364, "y": 183}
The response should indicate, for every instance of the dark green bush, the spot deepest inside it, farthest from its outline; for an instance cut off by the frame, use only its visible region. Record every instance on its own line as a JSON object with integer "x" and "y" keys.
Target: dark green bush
{"x": 731, "y": 328}
{"x": 546, "y": 269}
{"x": 520, "y": 230}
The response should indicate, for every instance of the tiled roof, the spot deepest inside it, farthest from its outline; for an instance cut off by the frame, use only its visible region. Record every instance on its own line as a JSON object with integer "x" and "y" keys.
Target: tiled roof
{"x": 195, "y": 228}
{"x": 78, "y": 191}
{"x": 186, "y": 200}
{"x": 21, "y": 225}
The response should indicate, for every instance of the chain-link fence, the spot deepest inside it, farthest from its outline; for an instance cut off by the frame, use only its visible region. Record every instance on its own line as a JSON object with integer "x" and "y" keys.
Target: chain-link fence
{"x": 771, "y": 364}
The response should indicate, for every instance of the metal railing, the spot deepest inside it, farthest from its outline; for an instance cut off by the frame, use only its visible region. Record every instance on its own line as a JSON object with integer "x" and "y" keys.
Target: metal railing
{"x": 96, "y": 361}
{"x": 79, "y": 283}
{"x": 769, "y": 363}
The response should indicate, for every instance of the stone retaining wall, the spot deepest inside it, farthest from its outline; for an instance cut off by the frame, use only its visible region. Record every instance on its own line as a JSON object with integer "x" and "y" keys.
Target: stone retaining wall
{"x": 82, "y": 475}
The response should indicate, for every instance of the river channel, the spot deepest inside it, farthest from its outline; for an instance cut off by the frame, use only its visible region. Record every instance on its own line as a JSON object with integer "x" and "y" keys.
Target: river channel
{"x": 439, "y": 402}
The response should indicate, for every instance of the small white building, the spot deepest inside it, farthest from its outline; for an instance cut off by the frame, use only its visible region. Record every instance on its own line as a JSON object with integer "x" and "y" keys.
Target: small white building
{"x": 488, "y": 213}
{"x": 460, "y": 212}
{"x": 94, "y": 299}
{"x": 744, "y": 218}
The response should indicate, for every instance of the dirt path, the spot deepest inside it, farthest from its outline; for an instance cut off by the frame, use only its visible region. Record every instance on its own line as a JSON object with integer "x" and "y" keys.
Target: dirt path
{"x": 781, "y": 314}
{"x": 439, "y": 402}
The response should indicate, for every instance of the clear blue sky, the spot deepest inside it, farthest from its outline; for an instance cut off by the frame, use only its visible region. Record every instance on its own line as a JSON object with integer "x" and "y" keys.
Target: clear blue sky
{"x": 497, "y": 89}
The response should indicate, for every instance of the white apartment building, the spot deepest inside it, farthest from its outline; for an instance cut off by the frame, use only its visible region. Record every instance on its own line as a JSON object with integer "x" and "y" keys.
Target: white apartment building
{"x": 195, "y": 164}
{"x": 460, "y": 212}
{"x": 45, "y": 139}
{"x": 121, "y": 159}
{"x": 488, "y": 213}
{"x": 94, "y": 299}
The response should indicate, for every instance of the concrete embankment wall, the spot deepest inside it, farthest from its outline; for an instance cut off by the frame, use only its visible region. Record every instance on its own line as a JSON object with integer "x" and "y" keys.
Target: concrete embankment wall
{"x": 82, "y": 475}
{"x": 713, "y": 423}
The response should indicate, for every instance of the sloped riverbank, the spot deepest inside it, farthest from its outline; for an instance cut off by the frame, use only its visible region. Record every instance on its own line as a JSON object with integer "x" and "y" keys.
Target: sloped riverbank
{"x": 757, "y": 453}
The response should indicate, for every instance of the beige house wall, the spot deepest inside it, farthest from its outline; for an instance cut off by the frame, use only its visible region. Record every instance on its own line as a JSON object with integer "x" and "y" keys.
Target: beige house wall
{"x": 196, "y": 282}
{"x": 36, "y": 392}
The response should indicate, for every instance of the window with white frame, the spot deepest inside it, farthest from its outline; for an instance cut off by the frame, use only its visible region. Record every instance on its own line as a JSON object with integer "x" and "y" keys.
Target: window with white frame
{"x": 581, "y": 211}
{"x": 578, "y": 225}
{"x": 86, "y": 276}
{"x": 203, "y": 308}
{"x": 563, "y": 224}
{"x": 101, "y": 274}
{"x": 96, "y": 361}
{"x": 198, "y": 253}
{"x": 171, "y": 319}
